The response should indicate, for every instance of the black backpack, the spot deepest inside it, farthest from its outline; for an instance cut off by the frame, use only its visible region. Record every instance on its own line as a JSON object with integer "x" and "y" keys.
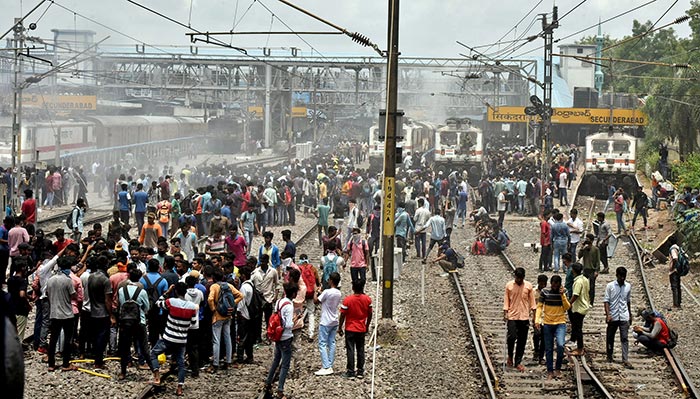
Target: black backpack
{"x": 152, "y": 291}
{"x": 69, "y": 219}
{"x": 256, "y": 302}
{"x": 360, "y": 219}
{"x": 130, "y": 311}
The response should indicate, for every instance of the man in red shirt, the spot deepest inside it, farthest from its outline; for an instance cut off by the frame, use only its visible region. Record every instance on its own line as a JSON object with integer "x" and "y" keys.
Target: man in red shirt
{"x": 356, "y": 316}
{"x": 545, "y": 241}
{"x": 29, "y": 207}
{"x": 61, "y": 241}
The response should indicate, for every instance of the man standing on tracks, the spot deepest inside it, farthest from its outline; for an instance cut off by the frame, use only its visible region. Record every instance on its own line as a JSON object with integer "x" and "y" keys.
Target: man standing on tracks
{"x": 560, "y": 239}
{"x": 576, "y": 229}
{"x": 604, "y": 233}
{"x": 618, "y": 313}
{"x": 579, "y": 307}
{"x": 551, "y": 318}
{"x": 502, "y": 206}
{"x": 590, "y": 256}
{"x": 518, "y": 308}
{"x": 640, "y": 202}
{"x": 545, "y": 242}
{"x": 420, "y": 220}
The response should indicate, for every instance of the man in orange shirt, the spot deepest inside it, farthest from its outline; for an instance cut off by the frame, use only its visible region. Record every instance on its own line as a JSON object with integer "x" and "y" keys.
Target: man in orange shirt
{"x": 150, "y": 232}
{"x": 518, "y": 308}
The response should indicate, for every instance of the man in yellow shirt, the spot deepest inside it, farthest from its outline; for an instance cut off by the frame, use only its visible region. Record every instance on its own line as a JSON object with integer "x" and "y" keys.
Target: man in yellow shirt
{"x": 551, "y": 318}
{"x": 580, "y": 305}
{"x": 518, "y": 308}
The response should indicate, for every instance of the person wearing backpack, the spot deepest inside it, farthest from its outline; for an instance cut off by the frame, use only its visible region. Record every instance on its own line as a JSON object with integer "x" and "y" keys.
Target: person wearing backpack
{"x": 309, "y": 274}
{"x": 133, "y": 307}
{"x": 678, "y": 267}
{"x": 155, "y": 286}
{"x": 265, "y": 279}
{"x": 249, "y": 310}
{"x": 331, "y": 262}
{"x": 655, "y": 335}
{"x": 358, "y": 251}
{"x": 284, "y": 311}
{"x": 223, "y": 298}
{"x": 77, "y": 216}
{"x": 330, "y": 301}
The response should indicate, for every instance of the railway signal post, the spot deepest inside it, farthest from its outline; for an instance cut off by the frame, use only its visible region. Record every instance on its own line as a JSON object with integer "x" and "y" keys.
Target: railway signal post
{"x": 390, "y": 163}
{"x": 548, "y": 33}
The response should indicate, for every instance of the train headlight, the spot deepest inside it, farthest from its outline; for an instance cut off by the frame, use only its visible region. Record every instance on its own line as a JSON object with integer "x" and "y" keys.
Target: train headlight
{"x": 594, "y": 161}
{"x": 627, "y": 162}
{"x": 442, "y": 151}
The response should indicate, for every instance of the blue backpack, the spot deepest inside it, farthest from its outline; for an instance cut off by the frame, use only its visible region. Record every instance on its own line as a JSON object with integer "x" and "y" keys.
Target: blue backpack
{"x": 329, "y": 266}
{"x": 226, "y": 304}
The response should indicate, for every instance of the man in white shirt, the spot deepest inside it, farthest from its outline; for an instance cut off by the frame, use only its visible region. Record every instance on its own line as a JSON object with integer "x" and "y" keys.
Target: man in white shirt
{"x": 420, "y": 220}
{"x": 328, "y": 327}
{"x": 502, "y": 206}
{"x": 618, "y": 313}
{"x": 576, "y": 229}
{"x": 563, "y": 183}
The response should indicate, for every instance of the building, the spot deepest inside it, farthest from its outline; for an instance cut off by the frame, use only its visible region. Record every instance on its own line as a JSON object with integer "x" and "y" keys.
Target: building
{"x": 576, "y": 72}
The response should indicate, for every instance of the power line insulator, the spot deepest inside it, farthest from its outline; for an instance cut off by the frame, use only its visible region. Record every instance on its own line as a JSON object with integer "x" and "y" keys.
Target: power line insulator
{"x": 360, "y": 39}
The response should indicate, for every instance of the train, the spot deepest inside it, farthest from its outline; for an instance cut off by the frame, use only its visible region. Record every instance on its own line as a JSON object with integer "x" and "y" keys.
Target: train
{"x": 460, "y": 146}
{"x": 418, "y": 138}
{"x": 610, "y": 157}
{"x": 107, "y": 139}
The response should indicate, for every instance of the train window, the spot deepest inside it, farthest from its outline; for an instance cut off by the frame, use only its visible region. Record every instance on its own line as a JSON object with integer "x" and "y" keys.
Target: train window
{"x": 600, "y": 146}
{"x": 621, "y": 146}
{"x": 448, "y": 138}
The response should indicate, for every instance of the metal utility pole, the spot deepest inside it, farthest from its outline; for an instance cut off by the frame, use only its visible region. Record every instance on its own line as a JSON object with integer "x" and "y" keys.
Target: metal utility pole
{"x": 389, "y": 187}
{"x": 548, "y": 30}
{"x": 17, "y": 103}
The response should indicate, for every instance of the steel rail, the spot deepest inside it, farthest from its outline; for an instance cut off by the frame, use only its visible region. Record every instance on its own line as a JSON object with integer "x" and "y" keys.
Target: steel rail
{"x": 483, "y": 364}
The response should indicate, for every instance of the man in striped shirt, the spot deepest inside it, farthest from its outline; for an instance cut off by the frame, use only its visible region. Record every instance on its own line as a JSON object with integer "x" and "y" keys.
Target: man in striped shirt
{"x": 551, "y": 318}
{"x": 181, "y": 316}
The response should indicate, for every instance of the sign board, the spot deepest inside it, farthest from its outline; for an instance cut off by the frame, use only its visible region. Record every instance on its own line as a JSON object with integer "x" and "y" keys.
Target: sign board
{"x": 389, "y": 205}
{"x": 256, "y": 109}
{"x": 60, "y": 103}
{"x": 579, "y": 116}
{"x": 298, "y": 112}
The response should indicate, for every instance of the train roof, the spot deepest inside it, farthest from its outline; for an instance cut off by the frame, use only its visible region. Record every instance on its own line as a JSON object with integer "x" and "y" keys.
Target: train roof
{"x": 608, "y": 136}
{"x": 141, "y": 120}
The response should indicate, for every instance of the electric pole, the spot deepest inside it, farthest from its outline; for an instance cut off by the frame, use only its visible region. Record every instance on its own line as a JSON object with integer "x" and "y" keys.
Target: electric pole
{"x": 389, "y": 187}
{"x": 17, "y": 105}
{"x": 548, "y": 30}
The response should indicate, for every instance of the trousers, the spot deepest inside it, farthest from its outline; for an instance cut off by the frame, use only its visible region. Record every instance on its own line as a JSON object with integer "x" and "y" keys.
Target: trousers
{"x": 610, "y": 331}
{"x": 517, "y": 333}
{"x": 355, "y": 343}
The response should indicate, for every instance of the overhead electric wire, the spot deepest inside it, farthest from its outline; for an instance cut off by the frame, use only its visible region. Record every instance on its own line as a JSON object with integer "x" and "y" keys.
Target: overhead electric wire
{"x": 592, "y": 26}
{"x": 22, "y": 19}
{"x": 498, "y": 42}
{"x": 663, "y": 58}
{"x": 572, "y": 10}
{"x": 654, "y": 24}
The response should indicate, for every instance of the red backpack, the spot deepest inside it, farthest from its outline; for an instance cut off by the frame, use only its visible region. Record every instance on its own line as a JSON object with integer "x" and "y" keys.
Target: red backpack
{"x": 275, "y": 327}
{"x": 478, "y": 248}
{"x": 287, "y": 196}
{"x": 307, "y": 274}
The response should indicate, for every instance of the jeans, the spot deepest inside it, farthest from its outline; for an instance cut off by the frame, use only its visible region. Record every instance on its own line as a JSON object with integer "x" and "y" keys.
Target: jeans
{"x": 432, "y": 244}
{"x": 563, "y": 200}
{"x": 49, "y": 199}
{"x": 218, "y": 328}
{"x": 101, "y": 327}
{"x": 420, "y": 241}
{"x": 642, "y": 212}
{"x": 613, "y": 326}
{"x": 41, "y": 326}
{"x": 461, "y": 215}
{"x": 355, "y": 341}
{"x": 373, "y": 243}
{"x": 85, "y": 336}
{"x": 501, "y": 216}
{"x": 246, "y": 339}
{"x": 521, "y": 203}
{"x": 178, "y": 352}
{"x": 322, "y": 230}
{"x": 164, "y": 229}
{"x": 358, "y": 273}
{"x": 326, "y": 345}
{"x": 58, "y": 325}
{"x": 577, "y": 328}
{"x": 651, "y": 343}
{"x": 291, "y": 211}
{"x": 248, "y": 235}
{"x": 311, "y": 314}
{"x": 620, "y": 222}
{"x": 192, "y": 349}
{"x": 283, "y": 356}
{"x": 559, "y": 250}
{"x": 401, "y": 243}
{"x": 546, "y": 258}
{"x": 269, "y": 216}
{"x": 572, "y": 248}
{"x": 517, "y": 332}
{"x": 140, "y": 217}
{"x": 127, "y": 333}
{"x": 675, "y": 280}
{"x": 552, "y": 332}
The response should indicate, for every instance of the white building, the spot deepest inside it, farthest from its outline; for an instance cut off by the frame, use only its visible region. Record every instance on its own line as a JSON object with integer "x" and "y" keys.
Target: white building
{"x": 577, "y": 73}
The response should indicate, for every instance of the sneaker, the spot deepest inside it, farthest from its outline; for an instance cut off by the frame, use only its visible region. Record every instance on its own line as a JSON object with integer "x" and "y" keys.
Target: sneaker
{"x": 348, "y": 374}
{"x": 628, "y": 365}
{"x": 360, "y": 375}
{"x": 322, "y": 372}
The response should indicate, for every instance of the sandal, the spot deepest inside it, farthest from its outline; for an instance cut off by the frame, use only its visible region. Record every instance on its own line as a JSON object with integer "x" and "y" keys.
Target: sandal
{"x": 179, "y": 392}
{"x": 51, "y": 368}
{"x": 72, "y": 367}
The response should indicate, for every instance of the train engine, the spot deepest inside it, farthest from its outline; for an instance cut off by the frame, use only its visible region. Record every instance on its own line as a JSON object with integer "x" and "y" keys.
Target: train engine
{"x": 460, "y": 146}
{"x": 610, "y": 159}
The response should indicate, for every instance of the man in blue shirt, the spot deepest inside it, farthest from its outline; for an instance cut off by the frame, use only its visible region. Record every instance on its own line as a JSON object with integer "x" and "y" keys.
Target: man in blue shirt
{"x": 154, "y": 282}
{"x": 140, "y": 202}
{"x": 124, "y": 203}
{"x": 403, "y": 227}
{"x": 462, "y": 205}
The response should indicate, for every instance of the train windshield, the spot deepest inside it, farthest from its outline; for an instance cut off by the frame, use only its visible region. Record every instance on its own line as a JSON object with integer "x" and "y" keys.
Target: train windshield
{"x": 600, "y": 146}
{"x": 469, "y": 139}
{"x": 621, "y": 146}
{"x": 448, "y": 138}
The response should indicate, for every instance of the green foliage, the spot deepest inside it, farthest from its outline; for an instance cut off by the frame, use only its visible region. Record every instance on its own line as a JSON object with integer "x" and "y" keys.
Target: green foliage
{"x": 688, "y": 223}
{"x": 688, "y": 172}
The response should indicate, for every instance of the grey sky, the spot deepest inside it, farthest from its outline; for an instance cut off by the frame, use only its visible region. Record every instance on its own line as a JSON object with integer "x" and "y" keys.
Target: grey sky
{"x": 428, "y": 28}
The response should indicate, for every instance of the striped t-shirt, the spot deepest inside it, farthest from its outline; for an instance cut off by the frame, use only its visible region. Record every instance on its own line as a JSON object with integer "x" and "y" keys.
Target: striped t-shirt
{"x": 181, "y": 316}
{"x": 552, "y": 307}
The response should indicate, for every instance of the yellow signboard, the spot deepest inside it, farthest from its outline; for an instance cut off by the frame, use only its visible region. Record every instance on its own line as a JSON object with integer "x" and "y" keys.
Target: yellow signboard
{"x": 389, "y": 205}
{"x": 298, "y": 112}
{"x": 256, "y": 109}
{"x": 60, "y": 103}
{"x": 579, "y": 116}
